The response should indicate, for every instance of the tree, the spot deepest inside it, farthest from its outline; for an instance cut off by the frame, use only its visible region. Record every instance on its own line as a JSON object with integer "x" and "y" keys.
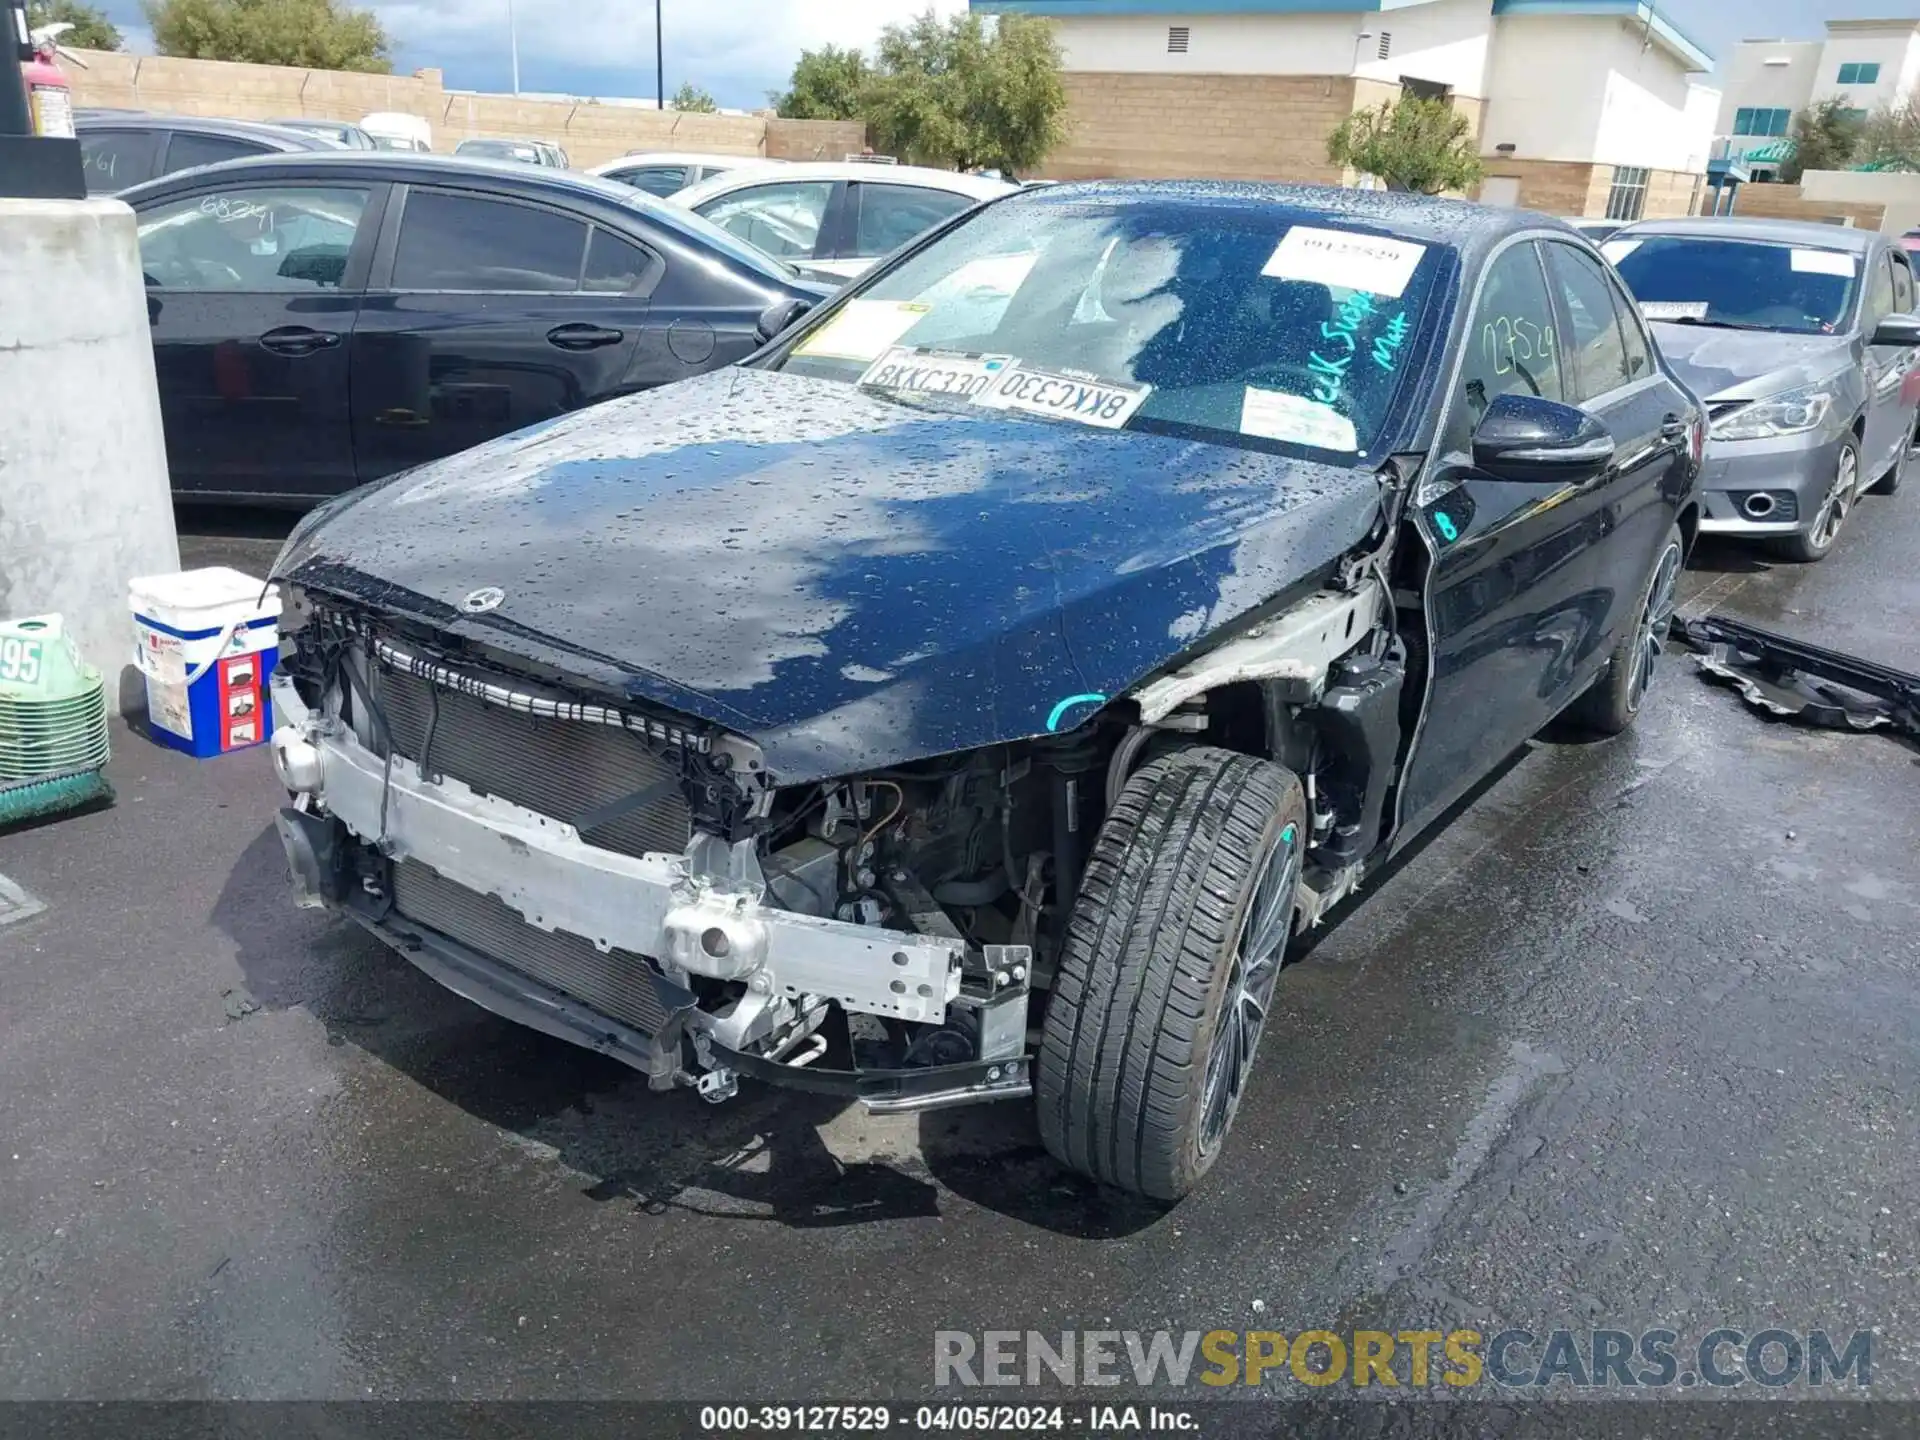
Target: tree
{"x": 961, "y": 95}
{"x": 691, "y": 97}
{"x": 1411, "y": 143}
{"x": 91, "y": 28}
{"x": 826, "y": 85}
{"x": 1825, "y": 137}
{"x": 1890, "y": 139}
{"x": 315, "y": 34}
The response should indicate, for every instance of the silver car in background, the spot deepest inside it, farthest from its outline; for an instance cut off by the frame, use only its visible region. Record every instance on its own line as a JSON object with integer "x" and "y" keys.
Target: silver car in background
{"x": 1802, "y": 341}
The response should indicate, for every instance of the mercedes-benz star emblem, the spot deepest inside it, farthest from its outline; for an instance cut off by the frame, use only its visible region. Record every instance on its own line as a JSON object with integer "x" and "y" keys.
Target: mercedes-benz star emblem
{"x": 487, "y": 597}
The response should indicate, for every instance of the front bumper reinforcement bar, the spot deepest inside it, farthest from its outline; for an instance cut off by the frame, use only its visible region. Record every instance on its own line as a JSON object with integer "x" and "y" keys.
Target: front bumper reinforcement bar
{"x": 1790, "y": 678}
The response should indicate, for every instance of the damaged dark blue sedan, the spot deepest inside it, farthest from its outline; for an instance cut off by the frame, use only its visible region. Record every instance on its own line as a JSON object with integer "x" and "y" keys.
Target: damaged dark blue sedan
{"x": 970, "y": 697}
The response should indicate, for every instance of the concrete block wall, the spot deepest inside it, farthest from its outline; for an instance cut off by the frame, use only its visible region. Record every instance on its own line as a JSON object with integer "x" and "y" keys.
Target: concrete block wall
{"x": 84, "y": 499}
{"x": 1788, "y": 202}
{"x": 589, "y": 132}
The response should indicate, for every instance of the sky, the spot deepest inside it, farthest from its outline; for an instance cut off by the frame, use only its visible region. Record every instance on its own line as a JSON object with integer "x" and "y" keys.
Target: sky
{"x": 738, "y": 50}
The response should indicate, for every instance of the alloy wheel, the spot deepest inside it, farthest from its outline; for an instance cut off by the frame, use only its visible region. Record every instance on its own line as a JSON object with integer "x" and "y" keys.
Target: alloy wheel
{"x": 1833, "y": 511}
{"x": 1656, "y": 623}
{"x": 1251, "y": 975}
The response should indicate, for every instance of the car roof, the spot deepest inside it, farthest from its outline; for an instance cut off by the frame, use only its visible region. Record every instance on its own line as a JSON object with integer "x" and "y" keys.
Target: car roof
{"x": 1809, "y": 233}
{"x": 978, "y": 187}
{"x": 498, "y": 140}
{"x": 679, "y": 157}
{"x": 404, "y": 167}
{"x": 204, "y": 125}
{"x": 1460, "y": 224}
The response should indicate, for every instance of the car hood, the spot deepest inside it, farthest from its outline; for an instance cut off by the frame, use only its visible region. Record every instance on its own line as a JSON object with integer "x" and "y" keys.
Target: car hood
{"x": 850, "y": 581}
{"x": 1721, "y": 364}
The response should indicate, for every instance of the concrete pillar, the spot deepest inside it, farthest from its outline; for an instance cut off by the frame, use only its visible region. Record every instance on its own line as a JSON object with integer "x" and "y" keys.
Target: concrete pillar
{"x": 84, "y": 499}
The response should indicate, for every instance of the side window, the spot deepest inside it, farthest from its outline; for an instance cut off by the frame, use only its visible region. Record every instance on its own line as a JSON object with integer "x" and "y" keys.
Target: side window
{"x": 782, "y": 219}
{"x": 1902, "y": 283}
{"x": 1595, "y": 350}
{"x": 1511, "y": 344}
{"x": 251, "y": 239}
{"x": 615, "y": 265}
{"x": 661, "y": 180}
{"x": 114, "y": 159}
{"x": 1880, "y": 302}
{"x": 187, "y": 150}
{"x": 1633, "y": 331}
{"x": 891, "y": 215}
{"x": 469, "y": 242}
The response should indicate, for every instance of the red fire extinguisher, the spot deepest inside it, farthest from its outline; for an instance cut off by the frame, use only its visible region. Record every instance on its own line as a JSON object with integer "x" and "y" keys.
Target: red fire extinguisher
{"x": 49, "y": 96}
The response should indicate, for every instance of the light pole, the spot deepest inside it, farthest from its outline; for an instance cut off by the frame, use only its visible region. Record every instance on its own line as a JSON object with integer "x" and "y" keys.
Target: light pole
{"x": 513, "y": 46}
{"x": 659, "y": 62}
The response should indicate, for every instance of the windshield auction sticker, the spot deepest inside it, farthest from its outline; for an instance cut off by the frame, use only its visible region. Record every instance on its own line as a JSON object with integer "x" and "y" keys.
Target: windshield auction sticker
{"x": 1822, "y": 262}
{"x": 863, "y": 329}
{"x": 1674, "y": 309}
{"x": 1373, "y": 263}
{"x": 1276, "y": 415}
{"x": 1105, "y": 403}
{"x": 930, "y": 372}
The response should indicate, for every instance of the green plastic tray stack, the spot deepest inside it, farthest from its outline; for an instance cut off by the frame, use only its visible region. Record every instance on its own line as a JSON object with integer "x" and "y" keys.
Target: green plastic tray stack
{"x": 53, "y": 723}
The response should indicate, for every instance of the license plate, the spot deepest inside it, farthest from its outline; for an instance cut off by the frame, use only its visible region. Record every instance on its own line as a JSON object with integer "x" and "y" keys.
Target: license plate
{"x": 1105, "y": 403}
{"x": 918, "y": 372}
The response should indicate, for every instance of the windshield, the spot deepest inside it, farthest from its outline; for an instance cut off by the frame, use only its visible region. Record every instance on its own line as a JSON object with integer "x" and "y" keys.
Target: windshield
{"x": 1232, "y": 319}
{"x": 1752, "y": 284}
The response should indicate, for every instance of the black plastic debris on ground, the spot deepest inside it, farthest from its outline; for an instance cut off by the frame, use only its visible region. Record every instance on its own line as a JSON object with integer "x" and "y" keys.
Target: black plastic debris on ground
{"x": 1792, "y": 679}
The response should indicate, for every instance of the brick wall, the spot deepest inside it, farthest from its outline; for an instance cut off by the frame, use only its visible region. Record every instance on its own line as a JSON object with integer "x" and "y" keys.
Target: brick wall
{"x": 1785, "y": 202}
{"x": 1554, "y": 187}
{"x": 1227, "y": 127}
{"x": 589, "y": 132}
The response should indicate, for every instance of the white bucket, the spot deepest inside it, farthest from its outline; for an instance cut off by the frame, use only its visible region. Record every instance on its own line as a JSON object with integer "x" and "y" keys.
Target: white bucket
{"x": 206, "y": 640}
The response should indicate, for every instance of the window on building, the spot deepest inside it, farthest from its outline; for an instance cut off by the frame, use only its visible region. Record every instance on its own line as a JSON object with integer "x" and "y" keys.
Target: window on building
{"x": 1628, "y": 197}
{"x": 1860, "y": 73}
{"x": 1386, "y": 44}
{"x": 1857, "y": 116}
{"x": 1178, "y": 37}
{"x": 1758, "y": 120}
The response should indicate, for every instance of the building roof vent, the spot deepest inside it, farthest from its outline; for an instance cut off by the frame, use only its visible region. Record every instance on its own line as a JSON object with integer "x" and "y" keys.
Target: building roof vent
{"x": 1386, "y": 44}
{"x": 1177, "y": 38}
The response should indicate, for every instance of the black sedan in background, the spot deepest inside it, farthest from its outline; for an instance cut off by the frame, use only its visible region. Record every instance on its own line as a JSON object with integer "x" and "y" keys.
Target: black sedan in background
{"x": 123, "y": 148}
{"x": 323, "y": 320}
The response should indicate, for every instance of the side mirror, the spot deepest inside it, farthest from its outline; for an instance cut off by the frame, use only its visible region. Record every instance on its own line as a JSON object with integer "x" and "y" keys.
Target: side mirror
{"x": 779, "y": 315}
{"x": 1533, "y": 441}
{"x": 1901, "y": 331}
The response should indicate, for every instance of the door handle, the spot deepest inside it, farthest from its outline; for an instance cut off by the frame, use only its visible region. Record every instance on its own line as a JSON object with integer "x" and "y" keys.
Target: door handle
{"x": 1673, "y": 428}
{"x": 579, "y": 336}
{"x": 298, "y": 340}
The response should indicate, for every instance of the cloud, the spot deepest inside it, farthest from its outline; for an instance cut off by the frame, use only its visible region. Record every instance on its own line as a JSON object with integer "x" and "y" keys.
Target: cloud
{"x": 736, "y": 49}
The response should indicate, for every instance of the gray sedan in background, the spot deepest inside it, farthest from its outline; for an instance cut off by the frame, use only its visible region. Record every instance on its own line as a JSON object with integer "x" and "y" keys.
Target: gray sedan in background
{"x": 1801, "y": 340}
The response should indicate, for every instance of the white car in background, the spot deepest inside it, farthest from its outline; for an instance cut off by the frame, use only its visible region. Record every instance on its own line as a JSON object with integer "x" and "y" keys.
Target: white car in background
{"x": 662, "y": 172}
{"x": 833, "y": 220}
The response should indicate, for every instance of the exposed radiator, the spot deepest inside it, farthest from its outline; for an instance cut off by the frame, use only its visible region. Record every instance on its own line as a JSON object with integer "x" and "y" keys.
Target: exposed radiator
{"x": 615, "y": 983}
{"x": 560, "y": 768}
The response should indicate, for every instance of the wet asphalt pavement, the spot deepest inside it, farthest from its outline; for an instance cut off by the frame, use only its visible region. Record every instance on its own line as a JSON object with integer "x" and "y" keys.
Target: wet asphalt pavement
{"x": 1634, "y": 1042}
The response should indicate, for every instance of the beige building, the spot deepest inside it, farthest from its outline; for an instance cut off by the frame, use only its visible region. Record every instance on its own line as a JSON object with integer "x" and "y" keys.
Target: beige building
{"x": 1865, "y": 64}
{"x": 1582, "y": 107}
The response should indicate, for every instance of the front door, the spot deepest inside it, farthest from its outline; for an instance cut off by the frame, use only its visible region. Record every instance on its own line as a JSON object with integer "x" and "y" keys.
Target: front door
{"x": 1512, "y": 617}
{"x": 497, "y": 314}
{"x": 252, "y": 292}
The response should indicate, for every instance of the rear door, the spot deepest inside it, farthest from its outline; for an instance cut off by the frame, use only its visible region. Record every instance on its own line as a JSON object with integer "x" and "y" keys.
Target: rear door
{"x": 488, "y": 313}
{"x": 1607, "y": 369}
{"x": 252, "y": 293}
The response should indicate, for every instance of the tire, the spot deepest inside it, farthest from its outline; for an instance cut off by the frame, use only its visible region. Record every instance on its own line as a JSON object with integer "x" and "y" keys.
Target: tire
{"x": 1139, "y": 1034}
{"x": 1612, "y": 703}
{"x": 1896, "y": 474}
{"x": 1817, "y": 541}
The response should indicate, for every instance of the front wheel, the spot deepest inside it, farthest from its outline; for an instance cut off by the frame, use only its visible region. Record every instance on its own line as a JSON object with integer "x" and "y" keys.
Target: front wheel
{"x": 1817, "y": 539}
{"x": 1613, "y": 702}
{"x": 1168, "y": 969}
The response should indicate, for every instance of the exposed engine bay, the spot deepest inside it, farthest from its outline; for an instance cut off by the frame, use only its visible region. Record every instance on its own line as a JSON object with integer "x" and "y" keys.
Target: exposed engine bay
{"x": 890, "y": 935}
